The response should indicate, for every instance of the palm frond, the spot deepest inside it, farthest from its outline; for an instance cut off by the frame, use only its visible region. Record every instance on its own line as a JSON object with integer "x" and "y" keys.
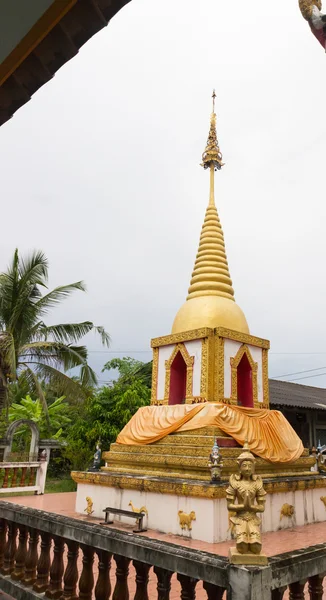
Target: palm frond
{"x": 8, "y": 354}
{"x": 87, "y": 376}
{"x": 65, "y": 332}
{"x": 105, "y": 336}
{"x": 56, "y": 354}
{"x": 71, "y": 388}
{"x": 57, "y": 295}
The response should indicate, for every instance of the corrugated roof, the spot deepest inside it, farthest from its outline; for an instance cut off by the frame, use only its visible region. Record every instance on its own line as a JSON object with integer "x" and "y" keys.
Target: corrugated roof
{"x": 285, "y": 393}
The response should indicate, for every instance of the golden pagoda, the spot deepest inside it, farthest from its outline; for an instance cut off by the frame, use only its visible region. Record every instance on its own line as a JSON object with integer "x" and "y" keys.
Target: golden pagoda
{"x": 209, "y": 386}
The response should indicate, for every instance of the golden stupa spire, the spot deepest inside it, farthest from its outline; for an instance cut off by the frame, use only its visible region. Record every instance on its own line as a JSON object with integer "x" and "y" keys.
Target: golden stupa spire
{"x": 211, "y": 272}
{"x": 210, "y": 301}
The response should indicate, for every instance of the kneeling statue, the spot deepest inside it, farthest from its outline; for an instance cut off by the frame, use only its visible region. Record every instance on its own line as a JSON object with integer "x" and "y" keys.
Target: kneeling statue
{"x": 245, "y": 498}
{"x": 97, "y": 459}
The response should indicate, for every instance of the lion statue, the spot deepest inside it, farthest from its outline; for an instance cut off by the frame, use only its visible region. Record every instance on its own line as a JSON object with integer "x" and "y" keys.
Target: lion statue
{"x": 186, "y": 520}
{"x": 287, "y": 510}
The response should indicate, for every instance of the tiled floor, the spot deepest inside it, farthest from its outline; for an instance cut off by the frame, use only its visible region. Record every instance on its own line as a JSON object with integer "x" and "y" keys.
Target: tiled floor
{"x": 273, "y": 543}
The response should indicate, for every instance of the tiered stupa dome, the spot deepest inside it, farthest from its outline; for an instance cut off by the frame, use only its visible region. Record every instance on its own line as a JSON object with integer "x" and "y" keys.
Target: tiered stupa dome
{"x": 210, "y": 301}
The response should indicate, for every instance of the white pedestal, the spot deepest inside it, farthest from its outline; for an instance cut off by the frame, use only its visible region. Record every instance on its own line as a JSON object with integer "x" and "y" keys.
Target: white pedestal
{"x": 212, "y": 522}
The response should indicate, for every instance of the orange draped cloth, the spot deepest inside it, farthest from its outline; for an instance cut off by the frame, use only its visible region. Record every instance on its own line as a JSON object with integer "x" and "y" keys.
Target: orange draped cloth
{"x": 269, "y": 434}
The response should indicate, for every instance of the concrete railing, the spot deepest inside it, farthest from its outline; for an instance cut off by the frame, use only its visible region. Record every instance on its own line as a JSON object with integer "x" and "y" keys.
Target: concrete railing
{"x": 23, "y": 476}
{"x": 47, "y": 555}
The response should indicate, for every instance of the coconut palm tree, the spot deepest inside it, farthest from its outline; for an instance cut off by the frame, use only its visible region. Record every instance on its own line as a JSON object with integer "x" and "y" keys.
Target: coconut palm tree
{"x": 31, "y": 348}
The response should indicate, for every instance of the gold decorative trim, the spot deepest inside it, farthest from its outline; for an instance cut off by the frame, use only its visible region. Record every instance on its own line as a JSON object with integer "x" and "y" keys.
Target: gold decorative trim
{"x": 189, "y": 488}
{"x": 265, "y": 378}
{"x": 245, "y": 338}
{"x": 219, "y": 369}
{"x": 189, "y": 360}
{"x": 185, "y": 336}
{"x": 235, "y": 361}
{"x": 204, "y": 369}
{"x": 210, "y": 367}
{"x": 155, "y": 375}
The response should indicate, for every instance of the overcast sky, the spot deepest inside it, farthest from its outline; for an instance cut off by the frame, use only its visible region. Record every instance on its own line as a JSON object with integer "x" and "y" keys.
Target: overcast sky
{"x": 101, "y": 171}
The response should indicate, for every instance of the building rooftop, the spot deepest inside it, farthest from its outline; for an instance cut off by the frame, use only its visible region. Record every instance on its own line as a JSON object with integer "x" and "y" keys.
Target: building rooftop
{"x": 285, "y": 393}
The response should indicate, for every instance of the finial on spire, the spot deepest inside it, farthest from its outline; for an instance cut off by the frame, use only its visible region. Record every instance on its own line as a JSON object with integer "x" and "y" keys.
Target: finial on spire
{"x": 213, "y": 96}
{"x": 212, "y": 155}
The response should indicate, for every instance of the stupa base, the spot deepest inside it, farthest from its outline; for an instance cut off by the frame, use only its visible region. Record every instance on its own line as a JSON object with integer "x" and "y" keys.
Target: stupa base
{"x": 165, "y": 497}
{"x": 249, "y": 559}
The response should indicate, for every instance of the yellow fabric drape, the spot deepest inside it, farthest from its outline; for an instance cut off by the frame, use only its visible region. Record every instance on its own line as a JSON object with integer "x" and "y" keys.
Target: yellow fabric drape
{"x": 269, "y": 434}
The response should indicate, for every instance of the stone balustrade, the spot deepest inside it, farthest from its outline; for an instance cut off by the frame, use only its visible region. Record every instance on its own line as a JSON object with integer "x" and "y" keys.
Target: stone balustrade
{"x": 48, "y": 555}
{"x": 21, "y": 477}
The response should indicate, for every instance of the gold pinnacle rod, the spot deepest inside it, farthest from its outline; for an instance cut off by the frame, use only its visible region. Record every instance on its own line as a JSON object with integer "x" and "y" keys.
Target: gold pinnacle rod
{"x": 212, "y": 185}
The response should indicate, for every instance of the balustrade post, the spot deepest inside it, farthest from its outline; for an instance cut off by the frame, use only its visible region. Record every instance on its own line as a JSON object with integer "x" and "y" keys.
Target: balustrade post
{"x": 5, "y": 479}
{"x": 163, "y": 583}
{"x": 3, "y": 531}
{"x": 57, "y": 569}
{"x": 103, "y": 585}
{"x": 296, "y": 590}
{"x": 71, "y": 573}
{"x": 214, "y": 592}
{"x": 10, "y": 550}
{"x": 86, "y": 582}
{"x": 188, "y": 587}
{"x": 142, "y": 577}
{"x": 31, "y": 479}
{"x": 279, "y": 593}
{"x": 43, "y": 565}
{"x": 31, "y": 558}
{"x": 315, "y": 586}
{"x": 14, "y": 477}
{"x": 22, "y": 479}
{"x": 19, "y": 570}
{"x": 121, "y": 591}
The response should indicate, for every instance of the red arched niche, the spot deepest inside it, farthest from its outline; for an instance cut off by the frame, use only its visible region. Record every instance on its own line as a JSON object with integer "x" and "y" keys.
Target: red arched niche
{"x": 244, "y": 383}
{"x": 178, "y": 380}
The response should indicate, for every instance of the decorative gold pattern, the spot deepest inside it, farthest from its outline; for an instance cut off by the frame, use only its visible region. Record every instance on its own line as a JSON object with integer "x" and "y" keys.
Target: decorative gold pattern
{"x": 265, "y": 378}
{"x": 245, "y": 338}
{"x": 306, "y": 7}
{"x": 204, "y": 369}
{"x": 185, "y": 520}
{"x": 184, "y": 336}
{"x": 220, "y": 370}
{"x": 234, "y": 374}
{"x": 212, "y": 155}
{"x": 288, "y": 511}
{"x": 89, "y": 507}
{"x": 189, "y": 360}
{"x": 155, "y": 375}
{"x": 143, "y": 509}
{"x": 190, "y": 488}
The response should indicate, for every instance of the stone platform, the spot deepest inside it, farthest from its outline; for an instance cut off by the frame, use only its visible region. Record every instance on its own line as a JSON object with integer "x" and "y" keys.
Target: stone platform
{"x": 163, "y": 499}
{"x": 184, "y": 455}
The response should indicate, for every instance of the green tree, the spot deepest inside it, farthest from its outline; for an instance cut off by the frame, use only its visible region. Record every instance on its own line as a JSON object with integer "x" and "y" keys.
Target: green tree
{"x": 50, "y": 425}
{"x": 131, "y": 369}
{"x": 31, "y": 348}
{"x": 107, "y": 412}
